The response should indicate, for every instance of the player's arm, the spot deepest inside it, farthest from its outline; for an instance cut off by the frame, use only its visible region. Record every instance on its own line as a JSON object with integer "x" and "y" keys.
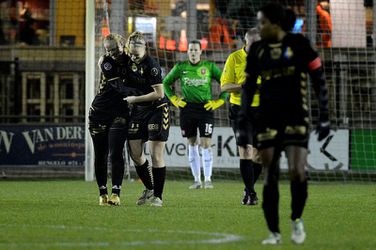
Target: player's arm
{"x": 228, "y": 77}
{"x": 158, "y": 93}
{"x": 215, "y": 104}
{"x": 319, "y": 84}
{"x": 168, "y": 81}
{"x": 315, "y": 70}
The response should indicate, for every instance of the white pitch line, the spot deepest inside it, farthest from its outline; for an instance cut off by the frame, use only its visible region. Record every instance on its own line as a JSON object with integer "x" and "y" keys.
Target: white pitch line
{"x": 217, "y": 238}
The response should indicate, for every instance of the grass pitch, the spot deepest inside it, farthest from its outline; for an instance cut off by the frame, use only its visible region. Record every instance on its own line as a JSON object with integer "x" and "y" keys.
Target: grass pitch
{"x": 66, "y": 215}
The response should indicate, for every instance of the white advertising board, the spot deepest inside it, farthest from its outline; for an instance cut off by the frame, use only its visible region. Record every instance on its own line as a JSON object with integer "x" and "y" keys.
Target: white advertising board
{"x": 331, "y": 153}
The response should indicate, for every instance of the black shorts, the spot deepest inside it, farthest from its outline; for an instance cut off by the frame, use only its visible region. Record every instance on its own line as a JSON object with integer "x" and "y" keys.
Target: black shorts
{"x": 120, "y": 124}
{"x": 193, "y": 117}
{"x": 149, "y": 123}
{"x": 251, "y": 124}
{"x": 279, "y": 132}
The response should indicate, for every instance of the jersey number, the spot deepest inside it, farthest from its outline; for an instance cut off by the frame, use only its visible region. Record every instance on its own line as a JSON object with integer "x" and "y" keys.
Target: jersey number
{"x": 208, "y": 128}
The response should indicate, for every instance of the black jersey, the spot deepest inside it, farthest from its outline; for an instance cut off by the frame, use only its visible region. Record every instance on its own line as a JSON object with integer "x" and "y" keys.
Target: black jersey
{"x": 109, "y": 103}
{"x": 283, "y": 69}
{"x": 143, "y": 76}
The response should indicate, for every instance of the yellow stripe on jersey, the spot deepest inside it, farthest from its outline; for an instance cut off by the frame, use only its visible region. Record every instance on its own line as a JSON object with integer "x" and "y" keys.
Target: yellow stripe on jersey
{"x": 234, "y": 72}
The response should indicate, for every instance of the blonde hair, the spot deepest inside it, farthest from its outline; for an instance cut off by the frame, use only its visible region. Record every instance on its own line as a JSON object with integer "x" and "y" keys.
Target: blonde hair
{"x": 136, "y": 35}
{"x": 119, "y": 39}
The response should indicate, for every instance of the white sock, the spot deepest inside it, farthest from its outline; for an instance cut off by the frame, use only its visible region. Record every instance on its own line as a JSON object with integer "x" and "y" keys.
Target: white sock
{"x": 194, "y": 161}
{"x": 207, "y": 158}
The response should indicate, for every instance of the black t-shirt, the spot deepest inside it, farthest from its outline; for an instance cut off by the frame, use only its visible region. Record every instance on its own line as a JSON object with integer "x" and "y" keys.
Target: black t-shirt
{"x": 283, "y": 69}
{"x": 109, "y": 103}
{"x": 143, "y": 76}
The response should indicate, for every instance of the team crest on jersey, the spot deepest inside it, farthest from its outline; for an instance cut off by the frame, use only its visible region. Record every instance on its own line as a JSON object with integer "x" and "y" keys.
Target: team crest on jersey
{"x": 107, "y": 66}
{"x": 288, "y": 53}
{"x": 154, "y": 72}
{"x": 275, "y": 53}
{"x": 134, "y": 67}
{"x": 142, "y": 71}
{"x": 203, "y": 71}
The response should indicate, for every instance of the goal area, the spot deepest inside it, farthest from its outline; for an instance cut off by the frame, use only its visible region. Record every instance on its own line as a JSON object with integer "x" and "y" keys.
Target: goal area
{"x": 342, "y": 32}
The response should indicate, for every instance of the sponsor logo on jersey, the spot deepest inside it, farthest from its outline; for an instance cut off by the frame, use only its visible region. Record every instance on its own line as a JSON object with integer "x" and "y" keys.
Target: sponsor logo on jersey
{"x": 107, "y": 66}
{"x": 195, "y": 82}
{"x": 275, "y": 53}
{"x": 288, "y": 53}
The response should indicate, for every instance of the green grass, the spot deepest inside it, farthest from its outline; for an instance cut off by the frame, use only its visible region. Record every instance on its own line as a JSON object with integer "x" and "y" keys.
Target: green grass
{"x": 65, "y": 215}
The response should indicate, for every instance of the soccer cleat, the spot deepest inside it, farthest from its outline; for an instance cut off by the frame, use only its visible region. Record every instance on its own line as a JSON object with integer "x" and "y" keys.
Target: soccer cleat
{"x": 245, "y": 200}
{"x": 298, "y": 234}
{"x": 208, "y": 185}
{"x": 273, "y": 239}
{"x": 145, "y": 197}
{"x": 253, "y": 200}
{"x": 156, "y": 202}
{"x": 114, "y": 200}
{"x": 103, "y": 200}
{"x": 195, "y": 185}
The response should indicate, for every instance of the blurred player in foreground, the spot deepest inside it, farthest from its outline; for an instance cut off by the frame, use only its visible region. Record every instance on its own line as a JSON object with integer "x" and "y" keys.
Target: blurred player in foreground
{"x": 283, "y": 60}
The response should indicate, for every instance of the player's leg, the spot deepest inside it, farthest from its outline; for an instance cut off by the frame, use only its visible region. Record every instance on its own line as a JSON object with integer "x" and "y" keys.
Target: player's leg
{"x": 249, "y": 170}
{"x": 159, "y": 170}
{"x": 206, "y": 127}
{"x": 270, "y": 160}
{"x": 207, "y": 159}
{"x": 256, "y": 169}
{"x": 158, "y": 136}
{"x": 188, "y": 125}
{"x": 194, "y": 161}
{"x": 117, "y": 136}
{"x": 137, "y": 135}
{"x": 245, "y": 165}
{"x": 99, "y": 135}
{"x": 297, "y": 157}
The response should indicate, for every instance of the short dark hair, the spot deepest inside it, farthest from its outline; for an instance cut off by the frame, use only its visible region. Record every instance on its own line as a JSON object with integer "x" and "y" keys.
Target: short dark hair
{"x": 195, "y": 42}
{"x": 290, "y": 20}
{"x": 275, "y": 13}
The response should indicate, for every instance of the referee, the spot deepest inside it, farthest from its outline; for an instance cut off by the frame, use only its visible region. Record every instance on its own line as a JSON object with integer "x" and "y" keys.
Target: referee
{"x": 232, "y": 78}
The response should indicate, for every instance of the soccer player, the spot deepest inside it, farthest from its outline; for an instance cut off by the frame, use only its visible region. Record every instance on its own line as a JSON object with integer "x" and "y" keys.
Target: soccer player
{"x": 283, "y": 60}
{"x": 196, "y": 108}
{"x": 108, "y": 120}
{"x": 149, "y": 119}
{"x": 232, "y": 78}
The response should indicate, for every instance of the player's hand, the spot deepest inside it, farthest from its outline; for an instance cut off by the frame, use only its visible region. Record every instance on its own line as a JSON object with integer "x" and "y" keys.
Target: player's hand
{"x": 130, "y": 99}
{"x": 177, "y": 102}
{"x": 323, "y": 130}
{"x": 248, "y": 150}
{"x": 214, "y": 104}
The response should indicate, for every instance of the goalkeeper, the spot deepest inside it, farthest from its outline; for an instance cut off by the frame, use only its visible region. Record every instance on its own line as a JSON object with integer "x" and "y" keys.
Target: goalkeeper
{"x": 196, "y": 108}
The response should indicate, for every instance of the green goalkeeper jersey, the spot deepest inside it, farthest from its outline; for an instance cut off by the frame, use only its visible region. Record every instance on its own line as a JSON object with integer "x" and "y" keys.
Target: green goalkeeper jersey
{"x": 195, "y": 80}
